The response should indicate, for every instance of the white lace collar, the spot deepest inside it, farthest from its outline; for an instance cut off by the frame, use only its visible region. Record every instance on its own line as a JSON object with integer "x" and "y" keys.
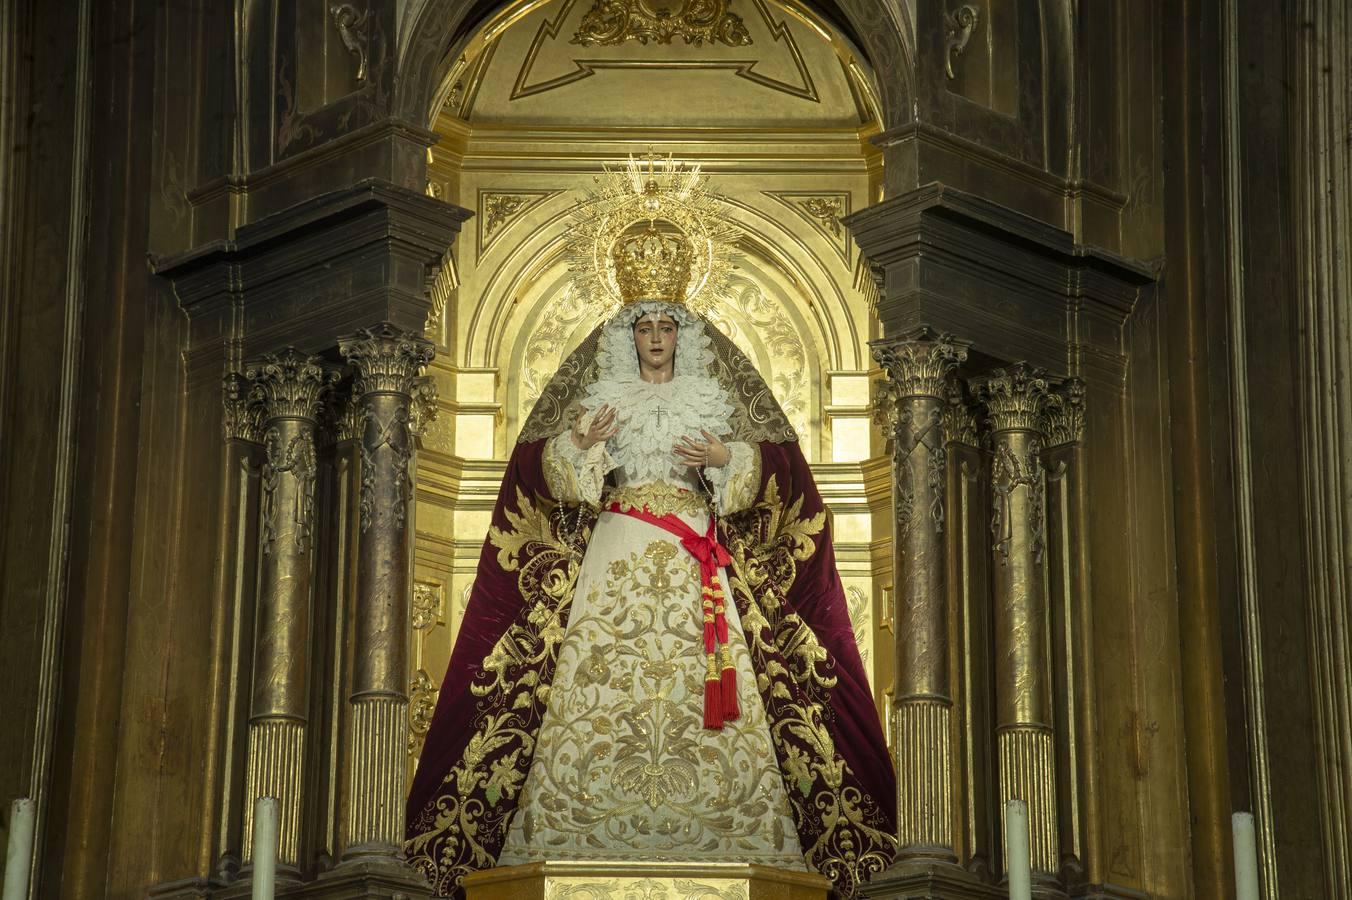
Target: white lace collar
{"x": 653, "y": 417}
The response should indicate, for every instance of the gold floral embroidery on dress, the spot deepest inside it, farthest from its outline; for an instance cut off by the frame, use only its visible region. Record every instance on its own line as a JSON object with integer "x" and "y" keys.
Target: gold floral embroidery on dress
{"x": 623, "y": 764}
{"x": 659, "y": 498}
{"x": 469, "y": 818}
{"x": 766, "y": 544}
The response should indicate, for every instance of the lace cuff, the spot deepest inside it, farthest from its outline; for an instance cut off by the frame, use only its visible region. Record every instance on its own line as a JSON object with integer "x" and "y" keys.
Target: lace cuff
{"x": 573, "y": 475}
{"x": 736, "y": 485}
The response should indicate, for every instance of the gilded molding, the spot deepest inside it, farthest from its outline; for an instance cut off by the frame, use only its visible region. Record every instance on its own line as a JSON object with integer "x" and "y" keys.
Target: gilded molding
{"x": 387, "y": 359}
{"x": 696, "y": 22}
{"x": 1064, "y": 414}
{"x": 289, "y": 385}
{"x": 441, "y": 291}
{"x": 1014, "y": 398}
{"x": 918, "y": 363}
{"x": 958, "y": 27}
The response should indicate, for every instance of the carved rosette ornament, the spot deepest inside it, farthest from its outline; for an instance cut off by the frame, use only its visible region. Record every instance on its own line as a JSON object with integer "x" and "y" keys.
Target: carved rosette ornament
{"x": 288, "y": 388}
{"x": 1016, "y": 404}
{"x": 388, "y": 363}
{"x": 919, "y": 367}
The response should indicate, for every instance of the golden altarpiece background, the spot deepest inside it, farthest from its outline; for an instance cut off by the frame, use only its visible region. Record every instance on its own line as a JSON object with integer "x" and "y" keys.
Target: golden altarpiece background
{"x": 1054, "y": 293}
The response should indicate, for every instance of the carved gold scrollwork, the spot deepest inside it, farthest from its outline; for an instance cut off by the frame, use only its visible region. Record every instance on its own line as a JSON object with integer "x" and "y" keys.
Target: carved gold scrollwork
{"x": 297, "y": 458}
{"x": 695, "y": 22}
{"x": 1010, "y": 472}
{"x": 427, "y": 605}
{"x": 422, "y": 702}
{"x": 958, "y": 27}
{"x": 423, "y": 410}
{"x": 393, "y": 433}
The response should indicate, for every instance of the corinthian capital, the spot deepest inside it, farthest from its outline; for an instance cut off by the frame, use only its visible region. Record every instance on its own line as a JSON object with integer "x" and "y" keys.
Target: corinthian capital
{"x": 1014, "y": 398}
{"x": 387, "y": 359}
{"x": 290, "y": 385}
{"x": 1065, "y": 414}
{"x": 242, "y": 416}
{"x": 918, "y": 363}
{"x": 960, "y": 425}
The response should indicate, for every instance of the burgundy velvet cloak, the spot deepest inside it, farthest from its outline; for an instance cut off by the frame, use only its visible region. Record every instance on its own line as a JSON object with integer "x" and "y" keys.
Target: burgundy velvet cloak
{"x": 837, "y": 771}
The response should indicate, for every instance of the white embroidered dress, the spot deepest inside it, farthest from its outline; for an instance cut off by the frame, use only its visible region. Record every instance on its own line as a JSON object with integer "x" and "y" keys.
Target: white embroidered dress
{"x": 623, "y": 768}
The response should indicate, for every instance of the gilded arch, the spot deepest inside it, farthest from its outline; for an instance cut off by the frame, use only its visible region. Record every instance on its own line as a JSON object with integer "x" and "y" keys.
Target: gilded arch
{"x": 433, "y": 33}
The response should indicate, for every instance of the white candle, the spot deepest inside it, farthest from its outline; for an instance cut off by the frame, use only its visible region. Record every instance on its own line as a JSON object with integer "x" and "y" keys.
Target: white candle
{"x": 1246, "y": 856}
{"x": 1018, "y": 860}
{"x": 265, "y": 848}
{"x": 19, "y": 853}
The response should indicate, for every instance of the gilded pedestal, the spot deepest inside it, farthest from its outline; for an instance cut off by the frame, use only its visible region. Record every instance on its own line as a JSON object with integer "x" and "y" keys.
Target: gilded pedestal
{"x": 600, "y": 880}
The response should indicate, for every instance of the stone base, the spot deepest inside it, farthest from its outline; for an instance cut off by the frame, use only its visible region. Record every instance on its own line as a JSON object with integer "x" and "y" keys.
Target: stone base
{"x": 600, "y": 880}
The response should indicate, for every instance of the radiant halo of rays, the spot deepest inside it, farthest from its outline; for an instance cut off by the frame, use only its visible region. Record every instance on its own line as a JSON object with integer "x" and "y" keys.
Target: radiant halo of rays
{"x": 662, "y": 191}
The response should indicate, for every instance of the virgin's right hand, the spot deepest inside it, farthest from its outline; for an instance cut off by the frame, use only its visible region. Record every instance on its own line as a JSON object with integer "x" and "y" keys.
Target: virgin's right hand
{"x": 603, "y": 427}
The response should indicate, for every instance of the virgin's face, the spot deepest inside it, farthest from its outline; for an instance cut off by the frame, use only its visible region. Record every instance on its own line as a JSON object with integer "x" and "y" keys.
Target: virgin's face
{"x": 655, "y": 341}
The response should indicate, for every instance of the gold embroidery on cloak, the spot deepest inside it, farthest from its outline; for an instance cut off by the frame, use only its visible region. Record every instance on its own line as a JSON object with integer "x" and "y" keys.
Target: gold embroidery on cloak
{"x": 464, "y": 824}
{"x": 766, "y": 551}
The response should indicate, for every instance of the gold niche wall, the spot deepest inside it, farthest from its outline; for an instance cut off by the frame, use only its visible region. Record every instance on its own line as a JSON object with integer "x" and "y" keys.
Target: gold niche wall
{"x": 792, "y": 161}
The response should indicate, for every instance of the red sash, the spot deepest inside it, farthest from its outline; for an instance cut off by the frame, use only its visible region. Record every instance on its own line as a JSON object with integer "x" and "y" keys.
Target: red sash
{"x": 720, "y": 689}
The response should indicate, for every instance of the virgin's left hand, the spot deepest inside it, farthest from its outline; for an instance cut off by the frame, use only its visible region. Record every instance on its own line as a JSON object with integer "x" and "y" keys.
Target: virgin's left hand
{"x": 708, "y": 452}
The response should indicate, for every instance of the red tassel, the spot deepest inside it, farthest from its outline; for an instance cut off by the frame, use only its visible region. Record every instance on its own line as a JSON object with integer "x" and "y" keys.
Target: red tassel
{"x": 713, "y": 705}
{"x": 730, "y": 708}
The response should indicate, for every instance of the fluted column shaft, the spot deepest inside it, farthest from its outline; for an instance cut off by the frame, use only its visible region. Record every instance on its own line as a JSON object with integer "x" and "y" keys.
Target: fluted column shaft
{"x": 290, "y": 388}
{"x": 1072, "y": 629}
{"x": 387, "y": 361}
{"x": 1026, "y": 756}
{"x": 918, "y": 366}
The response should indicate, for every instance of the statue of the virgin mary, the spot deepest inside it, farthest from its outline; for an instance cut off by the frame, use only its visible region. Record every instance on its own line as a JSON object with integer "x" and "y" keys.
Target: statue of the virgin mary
{"x": 656, "y": 662}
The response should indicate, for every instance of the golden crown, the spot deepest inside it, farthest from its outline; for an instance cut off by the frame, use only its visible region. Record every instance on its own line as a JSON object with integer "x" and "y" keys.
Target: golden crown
{"x": 651, "y": 231}
{"x": 652, "y": 265}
